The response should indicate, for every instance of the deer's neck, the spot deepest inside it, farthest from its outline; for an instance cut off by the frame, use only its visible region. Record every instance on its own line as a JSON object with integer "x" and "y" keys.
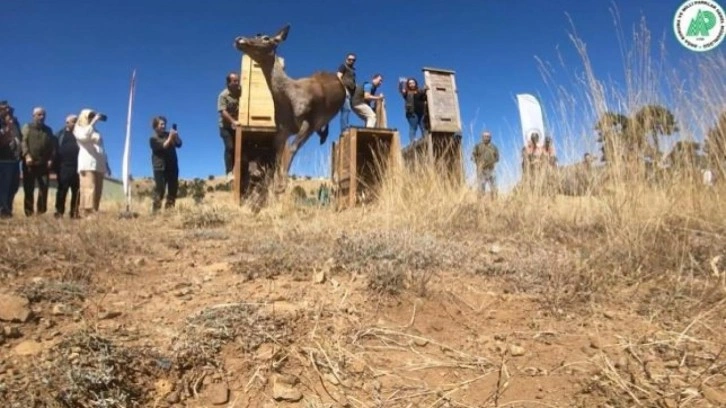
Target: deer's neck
{"x": 275, "y": 75}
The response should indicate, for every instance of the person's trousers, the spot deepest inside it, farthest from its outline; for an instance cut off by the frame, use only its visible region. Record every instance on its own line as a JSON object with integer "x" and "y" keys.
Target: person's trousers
{"x": 32, "y": 176}
{"x": 365, "y": 112}
{"x": 9, "y": 182}
{"x": 228, "y": 137}
{"x": 68, "y": 179}
{"x": 91, "y": 189}
{"x": 345, "y": 112}
{"x": 415, "y": 121}
{"x": 166, "y": 182}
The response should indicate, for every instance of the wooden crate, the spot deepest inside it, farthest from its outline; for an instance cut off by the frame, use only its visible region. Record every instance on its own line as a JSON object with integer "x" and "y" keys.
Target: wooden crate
{"x": 442, "y": 101}
{"x": 256, "y": 107}
{"x": 253, "y": 145}
{"x": 359, "y": 159}
{"x": 441, "y": 151}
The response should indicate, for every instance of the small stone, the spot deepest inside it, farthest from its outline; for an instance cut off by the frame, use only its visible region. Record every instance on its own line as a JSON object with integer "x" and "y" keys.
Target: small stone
{"x": 595, "y": 342}
{"x": 714, "y": 396}
{"x": 420, "y": 342}
{"x": 59, "y": 309}
{"x": 108, "y": 315}
{"x": 494, "y": 249}
{"x": 608, "y": 314}
{"x": 11, "y": 332}
{"x": 319, "y": 277}
{"x": 173, "y": 398}
{"x": 14, "y": 308}
{"x": 285, "y": 392}
{"x": 218, "y": 394}
{"x": 28, "y": 348}
{"x": 516, "y": 351}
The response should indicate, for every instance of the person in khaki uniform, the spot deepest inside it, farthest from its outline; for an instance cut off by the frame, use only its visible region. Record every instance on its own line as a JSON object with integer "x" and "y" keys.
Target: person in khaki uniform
{"x": 485, "y": 157}
{"x": 228, "y": 109}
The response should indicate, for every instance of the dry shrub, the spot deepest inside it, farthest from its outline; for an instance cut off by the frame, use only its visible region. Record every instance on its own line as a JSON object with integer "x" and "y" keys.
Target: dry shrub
{"x": 86, "y": 370}
{"x": 204, "y": 216}
{"x": 201, "y": 339}
{"x": 394, "y": 258}
{"x": 55, "y": 291}
{"x": 269, "y": 256}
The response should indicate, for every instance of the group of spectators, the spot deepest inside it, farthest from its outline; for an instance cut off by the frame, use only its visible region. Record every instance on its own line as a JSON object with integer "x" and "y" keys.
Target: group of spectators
{"x": 32, "y": 152}
{"x": 77, "y": 157}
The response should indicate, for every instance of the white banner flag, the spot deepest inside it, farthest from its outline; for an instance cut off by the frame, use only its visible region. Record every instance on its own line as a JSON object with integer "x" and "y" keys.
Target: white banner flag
{"x": 530, "y": 114}
{"x": 127, "y": 145}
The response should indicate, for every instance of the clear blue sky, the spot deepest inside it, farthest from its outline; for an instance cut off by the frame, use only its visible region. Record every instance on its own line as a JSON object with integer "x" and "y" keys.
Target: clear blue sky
{"x": 69, "y": 55}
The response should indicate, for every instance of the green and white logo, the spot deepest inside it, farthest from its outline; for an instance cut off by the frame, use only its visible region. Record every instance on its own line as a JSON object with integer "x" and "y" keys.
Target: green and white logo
{"x": 700, "y": 25}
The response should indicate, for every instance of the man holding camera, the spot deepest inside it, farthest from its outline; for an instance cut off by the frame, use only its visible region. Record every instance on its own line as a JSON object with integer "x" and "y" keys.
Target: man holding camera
{"x": 9, "y": 159}
{"x": 38, "y": 151}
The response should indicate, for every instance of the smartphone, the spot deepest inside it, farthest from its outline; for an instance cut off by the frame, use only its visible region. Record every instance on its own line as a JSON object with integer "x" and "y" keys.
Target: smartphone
{"x": 173, "y": 126}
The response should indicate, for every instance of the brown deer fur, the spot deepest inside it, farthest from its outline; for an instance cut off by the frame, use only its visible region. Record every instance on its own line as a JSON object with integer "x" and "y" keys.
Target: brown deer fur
{"x": 302, "y": 106}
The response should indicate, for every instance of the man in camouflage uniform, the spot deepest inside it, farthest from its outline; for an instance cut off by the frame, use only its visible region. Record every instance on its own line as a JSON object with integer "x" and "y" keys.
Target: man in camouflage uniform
{"x": 485, "y": 157}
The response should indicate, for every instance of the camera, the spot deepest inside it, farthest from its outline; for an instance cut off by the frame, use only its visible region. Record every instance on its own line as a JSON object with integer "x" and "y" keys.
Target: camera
{"x": 101, "y": 116}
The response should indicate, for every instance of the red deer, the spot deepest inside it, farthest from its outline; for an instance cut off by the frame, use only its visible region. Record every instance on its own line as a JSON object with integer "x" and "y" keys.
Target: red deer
{"x": 302, "y": 105}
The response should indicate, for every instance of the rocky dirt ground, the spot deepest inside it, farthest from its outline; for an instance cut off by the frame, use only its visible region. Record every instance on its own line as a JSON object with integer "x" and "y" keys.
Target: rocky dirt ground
{"x": 206, "y": 308}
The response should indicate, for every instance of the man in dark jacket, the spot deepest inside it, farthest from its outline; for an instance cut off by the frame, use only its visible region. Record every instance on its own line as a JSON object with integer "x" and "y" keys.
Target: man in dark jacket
{"x": 38, "y": 150}
{"x": 9, "y": 159}
{"x": 66, "y": 167}
{"x": 165, "y": 163}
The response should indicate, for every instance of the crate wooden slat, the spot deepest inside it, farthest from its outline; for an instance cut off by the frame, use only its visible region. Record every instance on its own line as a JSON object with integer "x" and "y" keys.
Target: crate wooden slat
{"x": 442, "y": 100}
{"x": 442, "y": 151}
{"x": 256, "y": 107}
{"x": 360, "y": 157}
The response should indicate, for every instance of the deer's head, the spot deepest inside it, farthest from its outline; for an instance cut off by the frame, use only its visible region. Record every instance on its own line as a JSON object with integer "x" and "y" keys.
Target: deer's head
{"x": 261, "y": 46}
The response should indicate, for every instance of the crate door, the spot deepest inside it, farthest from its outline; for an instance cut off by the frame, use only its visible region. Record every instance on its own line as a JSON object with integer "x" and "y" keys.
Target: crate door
{"x": 443, "y": 101}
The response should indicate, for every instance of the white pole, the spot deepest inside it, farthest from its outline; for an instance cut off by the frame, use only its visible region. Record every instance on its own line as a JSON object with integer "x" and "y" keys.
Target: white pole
{"x": 127, "y": 145}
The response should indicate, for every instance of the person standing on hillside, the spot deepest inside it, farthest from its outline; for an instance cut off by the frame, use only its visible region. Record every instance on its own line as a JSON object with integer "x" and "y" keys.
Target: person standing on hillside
{"x": 10, "y": 153}
{"x": 485, "y": 157}
{"x": 92, "y": 160}
{"x": 346, "y": 74}
{"x": 38, "y": 151}
{"x": 165, "y": 163}
{"x": 228, "y": 109}
{"x": 67, "y": 169}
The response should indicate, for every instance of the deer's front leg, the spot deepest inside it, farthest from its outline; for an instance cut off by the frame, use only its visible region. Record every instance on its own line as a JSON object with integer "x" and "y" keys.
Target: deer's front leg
{"x": 280, "y": 170}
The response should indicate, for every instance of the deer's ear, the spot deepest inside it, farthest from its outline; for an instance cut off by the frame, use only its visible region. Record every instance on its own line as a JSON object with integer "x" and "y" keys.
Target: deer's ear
{"x": 282, "y": 34}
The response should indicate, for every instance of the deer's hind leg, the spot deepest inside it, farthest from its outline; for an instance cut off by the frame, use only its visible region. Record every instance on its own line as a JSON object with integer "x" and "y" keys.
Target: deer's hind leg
{"x": 302, "y": 136}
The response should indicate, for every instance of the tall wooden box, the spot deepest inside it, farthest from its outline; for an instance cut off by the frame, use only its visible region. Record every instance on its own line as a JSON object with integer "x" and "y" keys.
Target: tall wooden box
{"x": 256, "y": 107}
{"x": 443, "y": 100}
{"x": 360, "y": 158}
